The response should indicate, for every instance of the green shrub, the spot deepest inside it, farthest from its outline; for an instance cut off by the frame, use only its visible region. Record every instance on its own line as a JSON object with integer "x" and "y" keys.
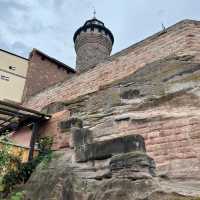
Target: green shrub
{"x": 2, "y": 186}
{"x": 17, "y": 196}
{"x": 8, "y": 161}
{"x": 22, "y": 171}
{"x": 45, "y": 145}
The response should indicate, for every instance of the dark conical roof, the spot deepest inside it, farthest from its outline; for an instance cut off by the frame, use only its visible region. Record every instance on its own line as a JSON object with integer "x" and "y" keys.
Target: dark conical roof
{"x": 93, "y": 23}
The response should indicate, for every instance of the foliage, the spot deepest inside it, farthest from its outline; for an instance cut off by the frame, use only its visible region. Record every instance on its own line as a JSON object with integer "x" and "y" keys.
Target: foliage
{"x": 45, "y": 150}
{"x": 46, "y": 159}
{"x": 5, "y": 133}
{"x": 8, "y": 161}
{"x": 5, "y": 138}
{"x": 17, "y": 196}
{"x": 2, "y": 187}
{"x": 45, "y": 144}
{"x": 22, "y": 171}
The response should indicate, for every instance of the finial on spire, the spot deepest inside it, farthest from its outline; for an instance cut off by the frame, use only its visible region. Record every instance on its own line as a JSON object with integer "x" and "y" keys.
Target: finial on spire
{"x": 94, "y": 12}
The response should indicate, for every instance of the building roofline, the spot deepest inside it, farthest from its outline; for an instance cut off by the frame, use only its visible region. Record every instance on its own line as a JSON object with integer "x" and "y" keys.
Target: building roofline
{"x": 61, "y": 64}
{"x": 153, "y": 37}
{"x": 91, "y": 25}
{"x": 13, "y": 54}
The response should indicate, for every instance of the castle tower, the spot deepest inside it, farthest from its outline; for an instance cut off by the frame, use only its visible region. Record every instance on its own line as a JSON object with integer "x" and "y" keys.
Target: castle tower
{"x": 93, "y": 44}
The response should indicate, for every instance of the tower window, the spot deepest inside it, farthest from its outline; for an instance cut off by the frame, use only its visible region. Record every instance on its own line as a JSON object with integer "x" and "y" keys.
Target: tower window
{"x": 12, "y": 68}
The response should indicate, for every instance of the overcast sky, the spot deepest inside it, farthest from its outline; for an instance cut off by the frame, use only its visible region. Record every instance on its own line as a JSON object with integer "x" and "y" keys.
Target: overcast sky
{"x": 49, "y": 25}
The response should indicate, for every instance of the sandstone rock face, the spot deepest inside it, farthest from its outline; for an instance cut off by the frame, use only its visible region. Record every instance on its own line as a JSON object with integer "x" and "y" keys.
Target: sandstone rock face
{"x": 118, "y": 175}
{"x": 159, "y": 102}
{"x": 133, "y": 166}
{"x": 128, "y": 176}
{"x": 132, "y": 94}
{"x": 86, "y": 150}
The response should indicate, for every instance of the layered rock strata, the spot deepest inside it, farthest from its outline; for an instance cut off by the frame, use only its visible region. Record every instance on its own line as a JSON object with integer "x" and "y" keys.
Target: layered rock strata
{"x": 126, "y": 175}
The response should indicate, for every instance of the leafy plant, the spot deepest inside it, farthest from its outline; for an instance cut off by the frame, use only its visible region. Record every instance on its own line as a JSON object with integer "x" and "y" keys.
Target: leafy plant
{"x": 45, "y": 144}
{"x": 20, "y": 172}
{"x": 17, "y": 196}
{"x": 8, "y": 161}
{"x": 2, "y": 186}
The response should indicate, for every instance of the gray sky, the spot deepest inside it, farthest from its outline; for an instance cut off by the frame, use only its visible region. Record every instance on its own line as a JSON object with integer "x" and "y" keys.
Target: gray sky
{"x": 49, "y": 25}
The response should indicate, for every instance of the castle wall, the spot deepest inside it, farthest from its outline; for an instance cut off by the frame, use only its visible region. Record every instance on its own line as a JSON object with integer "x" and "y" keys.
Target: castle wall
{"x": 179, "y": 39}
{"x": 132, "y": 94}
{"x": 159, "y": 102}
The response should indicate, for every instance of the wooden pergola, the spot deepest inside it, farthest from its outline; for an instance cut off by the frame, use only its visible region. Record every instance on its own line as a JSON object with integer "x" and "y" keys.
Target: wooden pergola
{"x": 14, "y": 117}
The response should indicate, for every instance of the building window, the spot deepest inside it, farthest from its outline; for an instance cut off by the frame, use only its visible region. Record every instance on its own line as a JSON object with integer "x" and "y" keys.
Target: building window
{"x": 5, "y": 78}
{"x": 12, "y": 68}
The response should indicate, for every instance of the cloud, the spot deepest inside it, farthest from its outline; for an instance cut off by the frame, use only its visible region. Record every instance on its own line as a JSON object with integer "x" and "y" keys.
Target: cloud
{"x": 9, "y": 9}
{"x": 161, "y": 12}
{"x": 3, "y": 43}
{"x": 58, "y": 4}
{"x": 12, "y": 5}
{"x": 50, "y": 24}
{"x": 20, "y": 48}
{"x": 15, "y": 47}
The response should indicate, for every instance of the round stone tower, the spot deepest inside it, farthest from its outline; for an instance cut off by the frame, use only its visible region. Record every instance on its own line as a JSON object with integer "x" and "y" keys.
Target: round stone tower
{"x": 93, "y": 44}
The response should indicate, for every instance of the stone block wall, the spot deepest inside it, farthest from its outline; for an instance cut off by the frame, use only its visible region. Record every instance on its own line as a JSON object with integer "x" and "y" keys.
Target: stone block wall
{"x": 151, "y": 88}
{"x": 180, "y": 39}
{"x": 42, "y": 73}
{"x": 53, "y": 129}
{"x": 91, "y": 48}
{"x": 159, "y": 102}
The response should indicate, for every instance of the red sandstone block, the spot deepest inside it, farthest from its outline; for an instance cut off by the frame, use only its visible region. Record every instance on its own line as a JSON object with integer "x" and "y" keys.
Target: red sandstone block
{"x": 160, "y": 160}
{"x": 195, "y": 141}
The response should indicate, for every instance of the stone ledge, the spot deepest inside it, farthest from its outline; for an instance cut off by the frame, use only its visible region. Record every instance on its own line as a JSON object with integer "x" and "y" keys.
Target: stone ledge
{"x": 133, "y": 165}
{"x": 86, "y": 150}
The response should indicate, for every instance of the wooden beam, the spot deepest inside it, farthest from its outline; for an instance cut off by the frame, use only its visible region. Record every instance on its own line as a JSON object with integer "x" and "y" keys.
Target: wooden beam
{"x": 21, "y": 122}
{"x": 24, "y": 116}
{"x": 33, "y": 140}
{"x": 6, "y": 120}
{"x": 16, "y": 112}
{"x": 15, "y": 106}
{"x": 9, "y": 112}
